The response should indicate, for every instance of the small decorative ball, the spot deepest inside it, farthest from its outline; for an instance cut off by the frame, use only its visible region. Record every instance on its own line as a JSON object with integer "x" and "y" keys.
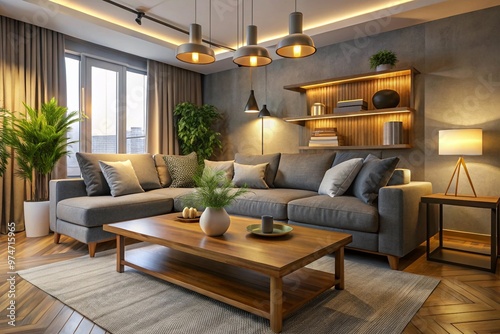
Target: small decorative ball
{"x": 385, "y": 98}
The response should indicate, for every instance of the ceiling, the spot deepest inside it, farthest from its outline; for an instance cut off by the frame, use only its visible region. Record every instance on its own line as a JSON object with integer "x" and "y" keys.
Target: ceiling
{"x": 326, "y": 21}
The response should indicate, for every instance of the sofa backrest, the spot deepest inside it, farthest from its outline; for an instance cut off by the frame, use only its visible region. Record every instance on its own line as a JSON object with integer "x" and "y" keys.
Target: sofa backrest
{"x": 303, "y": 171}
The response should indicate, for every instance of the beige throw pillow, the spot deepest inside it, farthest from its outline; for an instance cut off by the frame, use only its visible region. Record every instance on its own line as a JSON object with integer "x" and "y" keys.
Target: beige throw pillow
{"x": 252, "y": 176}
{"x": 121, "y": 177}
{"x": 226, "y": 166}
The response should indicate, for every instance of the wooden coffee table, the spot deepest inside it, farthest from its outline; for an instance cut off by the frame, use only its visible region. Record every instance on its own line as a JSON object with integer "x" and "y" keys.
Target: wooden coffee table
{"x": 262, "y": 275}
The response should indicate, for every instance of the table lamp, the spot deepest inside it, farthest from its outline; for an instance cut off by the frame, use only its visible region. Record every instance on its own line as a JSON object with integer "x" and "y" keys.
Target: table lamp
{"x": 460, "y": 142}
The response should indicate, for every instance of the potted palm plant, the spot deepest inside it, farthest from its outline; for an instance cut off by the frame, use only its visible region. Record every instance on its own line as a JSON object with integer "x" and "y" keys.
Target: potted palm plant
{"x": 214, "y": 191}
{"x": 39, "y": 139}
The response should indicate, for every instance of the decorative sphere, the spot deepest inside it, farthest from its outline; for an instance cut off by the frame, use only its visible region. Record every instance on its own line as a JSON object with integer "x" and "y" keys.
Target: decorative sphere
{"x": 385, "y": 98}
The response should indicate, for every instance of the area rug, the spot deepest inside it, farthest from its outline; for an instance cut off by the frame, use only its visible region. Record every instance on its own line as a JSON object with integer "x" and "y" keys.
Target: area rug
{"x": 375, "y": 300}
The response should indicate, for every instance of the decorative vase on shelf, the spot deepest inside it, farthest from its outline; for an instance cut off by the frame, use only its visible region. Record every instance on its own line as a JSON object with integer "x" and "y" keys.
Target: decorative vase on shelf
{"x": 214, "y": 221}
{"x": 383, "y": 67}
{"x": 385, "y": 98}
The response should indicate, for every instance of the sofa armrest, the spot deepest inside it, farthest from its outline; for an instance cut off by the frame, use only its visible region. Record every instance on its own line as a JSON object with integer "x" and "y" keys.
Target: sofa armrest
{"x": 402, "y": 217}
{"x": 62, "y": 189}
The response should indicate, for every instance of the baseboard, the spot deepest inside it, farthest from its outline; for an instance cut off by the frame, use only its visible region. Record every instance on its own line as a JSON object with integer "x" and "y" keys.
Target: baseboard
{"x": 467, "y": 236}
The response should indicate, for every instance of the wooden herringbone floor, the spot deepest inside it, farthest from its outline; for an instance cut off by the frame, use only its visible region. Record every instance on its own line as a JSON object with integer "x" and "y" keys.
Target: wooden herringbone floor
{"x": 466, "y": 300}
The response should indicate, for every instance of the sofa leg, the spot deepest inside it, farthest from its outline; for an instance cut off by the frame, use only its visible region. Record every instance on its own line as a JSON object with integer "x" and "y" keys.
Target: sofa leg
{"x": 393, "y": 262}
{"x": 57, "y": 237}
{"x": 92, "y": 247}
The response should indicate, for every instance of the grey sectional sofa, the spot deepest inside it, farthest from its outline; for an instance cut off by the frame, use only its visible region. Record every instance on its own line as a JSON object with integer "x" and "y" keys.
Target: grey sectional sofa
{"x": 392, "y": 225}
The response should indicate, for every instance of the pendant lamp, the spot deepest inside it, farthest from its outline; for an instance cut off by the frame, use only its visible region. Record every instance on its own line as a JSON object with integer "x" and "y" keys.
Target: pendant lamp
{"x": 296, "y": 44}
{"x": 252, "y": 55}
{"x": 195, "y": 52}
{"x": 251, "y": 106}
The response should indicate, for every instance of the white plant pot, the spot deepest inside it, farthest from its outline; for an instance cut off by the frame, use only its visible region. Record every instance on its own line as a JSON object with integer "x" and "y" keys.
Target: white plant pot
{"x": 383, "y": 67}
{"x": 214, "y": 221}
{"x": 36, "y": 218}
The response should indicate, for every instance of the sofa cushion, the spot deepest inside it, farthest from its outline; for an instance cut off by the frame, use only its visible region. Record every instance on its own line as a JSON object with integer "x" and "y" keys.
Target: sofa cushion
{"x": 374, "y": 175}
{"x": 251, "y": 176}
{"x": 345, "y": 212}
{"x": 121, "y": 177}
{"x": 400, "y": 176}
{"x": 97, "y": 210}
{"x": 226, "y": 166}
{"x": 273, "y": 202}
{"x": 338, "y": 178}
{"x": 272, "y": 159}
{"x": 93, "y": 177}
{"x": 303, "y": 171}
{"x": 182, "y": 169}
{"x": 162, "y": 170}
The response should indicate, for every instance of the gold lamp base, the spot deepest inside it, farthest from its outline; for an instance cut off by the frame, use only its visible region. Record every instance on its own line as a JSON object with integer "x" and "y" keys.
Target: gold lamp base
{"x": 460, "y": 163}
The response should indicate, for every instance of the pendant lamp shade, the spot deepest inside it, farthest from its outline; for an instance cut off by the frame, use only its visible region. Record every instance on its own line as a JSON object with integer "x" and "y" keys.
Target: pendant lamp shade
{"x": 296, "y": 44}
{"x": 252, "y": 106}
{"x": 264, "y": 112}
{"x": 252, "y": 54}
{"x": 195, "y": 52}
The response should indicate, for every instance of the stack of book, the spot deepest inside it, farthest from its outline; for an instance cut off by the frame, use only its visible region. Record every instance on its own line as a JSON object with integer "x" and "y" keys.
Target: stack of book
{"x": 351, "y": 106}
{"x": 326, "y": 137}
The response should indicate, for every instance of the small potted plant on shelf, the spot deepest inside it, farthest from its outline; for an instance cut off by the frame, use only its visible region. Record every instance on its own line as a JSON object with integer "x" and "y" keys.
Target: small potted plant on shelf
{"x": 39, "y": 140}
{"x": 383, "y": 60}
{"x": 214, "y": 191}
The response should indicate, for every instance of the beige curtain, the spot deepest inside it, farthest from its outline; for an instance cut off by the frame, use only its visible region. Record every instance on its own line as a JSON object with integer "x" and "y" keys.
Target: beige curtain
{"x": 32, "y": 70}
{"x": 168, "y": 86}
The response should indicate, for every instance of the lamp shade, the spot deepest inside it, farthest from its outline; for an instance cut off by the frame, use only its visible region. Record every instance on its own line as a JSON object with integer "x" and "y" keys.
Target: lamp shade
{"x": 296, "y": 44}
{"x": 264, "y": 112}
{"x": 461, "y": 142}
{"x": 195, "y": 52}
{"x": 252, "y": 106}
{"x": 252, "y": 55}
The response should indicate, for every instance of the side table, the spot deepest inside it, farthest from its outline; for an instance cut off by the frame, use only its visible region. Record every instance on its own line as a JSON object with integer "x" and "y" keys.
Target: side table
{"x": 459, "y": 256}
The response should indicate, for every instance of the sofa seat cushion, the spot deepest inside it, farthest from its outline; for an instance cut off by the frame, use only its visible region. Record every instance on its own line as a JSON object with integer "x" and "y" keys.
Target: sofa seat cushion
{"x": 343, "y": 212}
{"x": 91, "y": 211}
{"x": 273, "y": 202}
{"x": 176, "y": 194}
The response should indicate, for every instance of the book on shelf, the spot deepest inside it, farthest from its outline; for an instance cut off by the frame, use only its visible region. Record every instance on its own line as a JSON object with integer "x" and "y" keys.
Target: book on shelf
{"x": 350, "y": 103}
{"x": 326, "y": 143}
{"x": 348, "y": 109}
{"x": 323, "y": 138}
{"x": 324, "y": 132}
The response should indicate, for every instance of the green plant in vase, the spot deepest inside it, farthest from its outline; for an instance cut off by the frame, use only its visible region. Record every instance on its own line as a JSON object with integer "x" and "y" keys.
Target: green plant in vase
{"x": 381, "y": 58}
{"x": 213, "y": 191}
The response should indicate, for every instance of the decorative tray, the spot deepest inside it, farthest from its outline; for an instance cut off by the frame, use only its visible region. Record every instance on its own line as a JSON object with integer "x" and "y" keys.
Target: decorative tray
{"x": 188, "y": 220}
{"x": 278, "y": 230}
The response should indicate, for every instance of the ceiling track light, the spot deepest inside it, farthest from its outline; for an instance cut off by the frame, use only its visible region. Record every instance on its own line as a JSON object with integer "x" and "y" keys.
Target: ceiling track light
{"x": 296, "y": 44}
{"x": 139, "y": 17}
{"x": 252, "y": 55}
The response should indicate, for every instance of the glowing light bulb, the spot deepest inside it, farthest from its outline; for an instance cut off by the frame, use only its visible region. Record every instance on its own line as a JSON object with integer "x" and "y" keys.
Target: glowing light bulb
{"x": 297, "y": 50}
{"x": 195, "y": 57}
{"x": 253, "y": 61}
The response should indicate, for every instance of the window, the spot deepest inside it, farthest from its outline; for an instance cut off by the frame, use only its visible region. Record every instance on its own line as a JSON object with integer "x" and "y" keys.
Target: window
{"x": 114, "y": 102}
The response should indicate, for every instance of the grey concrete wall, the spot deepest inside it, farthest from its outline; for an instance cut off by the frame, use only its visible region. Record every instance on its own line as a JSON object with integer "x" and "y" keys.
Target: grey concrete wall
{"x": 459, "y": 86}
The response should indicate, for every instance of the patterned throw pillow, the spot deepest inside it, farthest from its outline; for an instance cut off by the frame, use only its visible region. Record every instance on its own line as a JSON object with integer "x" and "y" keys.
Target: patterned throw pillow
{"x": 182, "y": 169}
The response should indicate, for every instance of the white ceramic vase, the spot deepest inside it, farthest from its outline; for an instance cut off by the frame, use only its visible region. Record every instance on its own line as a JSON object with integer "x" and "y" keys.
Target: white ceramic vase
{"x": 383, "y": 67}
{"x": 214, "y": 221}
{"x": 36, "y": 218}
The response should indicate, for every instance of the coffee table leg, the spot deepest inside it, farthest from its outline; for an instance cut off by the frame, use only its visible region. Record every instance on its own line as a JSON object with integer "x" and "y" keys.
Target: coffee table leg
{"x": 339, "y": 268}
{"x": 276, "y": 296}
{"x": 120, "y": 252}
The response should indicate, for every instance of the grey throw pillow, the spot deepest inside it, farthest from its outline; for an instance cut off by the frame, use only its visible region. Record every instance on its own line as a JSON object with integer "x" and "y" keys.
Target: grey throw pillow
{"x": 374, "y": 175}
{"x": 182, "y": 169}
{"x": 252, "y": 176}
{"x": 226, "y": 166}
{"x": 338, "y": 178}
{"x": 272, "y": 159}
{"x": 121, "y": 178}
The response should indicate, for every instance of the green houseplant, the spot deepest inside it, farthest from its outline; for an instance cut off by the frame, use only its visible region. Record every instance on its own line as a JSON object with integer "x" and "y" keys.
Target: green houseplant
{"x": 39, "y": 140}
{"x": 213, "y": 191}
{"x": 383, "y": 57}
{"x": 194, "y": 129}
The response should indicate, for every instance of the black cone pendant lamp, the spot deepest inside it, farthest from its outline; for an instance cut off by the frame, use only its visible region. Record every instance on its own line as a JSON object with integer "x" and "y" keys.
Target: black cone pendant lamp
{"x": 296, "y": 44}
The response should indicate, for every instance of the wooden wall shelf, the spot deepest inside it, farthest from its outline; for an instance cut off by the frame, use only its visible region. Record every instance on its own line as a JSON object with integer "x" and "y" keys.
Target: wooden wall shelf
{"x": 361, "y": 129}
